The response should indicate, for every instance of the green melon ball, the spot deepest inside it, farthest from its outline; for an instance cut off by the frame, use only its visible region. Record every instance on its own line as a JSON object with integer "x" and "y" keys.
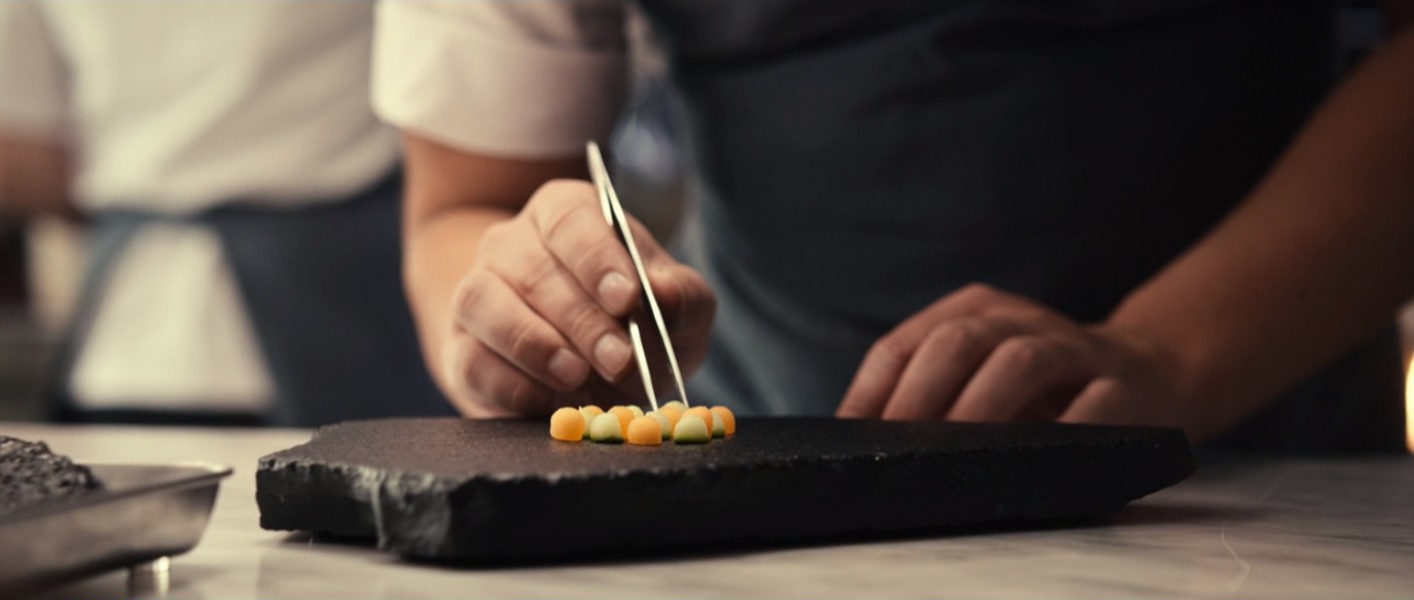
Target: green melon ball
{"x": 588, "y": 418}
{"x": 606, "y": 429}
{"x": 675, "y": 404}
{"x": 637, "y": 412}
{"x": 691, "y": 429}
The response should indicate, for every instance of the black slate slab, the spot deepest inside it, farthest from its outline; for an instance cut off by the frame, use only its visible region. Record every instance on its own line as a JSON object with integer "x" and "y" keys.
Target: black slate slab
{"x": 453, "y": 489}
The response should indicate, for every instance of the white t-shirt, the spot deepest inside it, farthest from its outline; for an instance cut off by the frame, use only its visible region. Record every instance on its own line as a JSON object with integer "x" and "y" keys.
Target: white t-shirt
{"x": 551, "y": 75}
{"x": 176, "y": 107}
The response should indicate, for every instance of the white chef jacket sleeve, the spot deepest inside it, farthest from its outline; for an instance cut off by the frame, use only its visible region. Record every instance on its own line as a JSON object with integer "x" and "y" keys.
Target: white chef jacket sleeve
{"x": 513, "y": 79}
{"x": 33, "y": 77}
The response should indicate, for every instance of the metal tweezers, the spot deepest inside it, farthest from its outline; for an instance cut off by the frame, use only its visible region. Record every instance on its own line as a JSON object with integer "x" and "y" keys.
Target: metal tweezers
{"x": 614, "y": 214}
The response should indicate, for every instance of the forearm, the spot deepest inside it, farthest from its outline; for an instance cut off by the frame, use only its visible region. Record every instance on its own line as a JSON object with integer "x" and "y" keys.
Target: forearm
{"x": 1317, "y": 259}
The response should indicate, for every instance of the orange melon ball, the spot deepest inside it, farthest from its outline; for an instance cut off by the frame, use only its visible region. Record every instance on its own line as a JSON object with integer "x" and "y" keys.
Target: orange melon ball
{"x": 664, "y": 423}
{"x": 703, "y": 413}
{"x": 567, "y": 424}
{"x": 725, "y": 415}
{"x": 672, "y": 413}
{"x": 645, "y": 431}
{"x": 625, "y": 416}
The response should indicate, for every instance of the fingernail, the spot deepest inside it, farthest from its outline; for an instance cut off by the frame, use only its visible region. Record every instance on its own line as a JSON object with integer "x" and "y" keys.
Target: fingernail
{"x": 616, "y": 290}
{"x": 612, "y": 353}
{"x": 568, "y": 368}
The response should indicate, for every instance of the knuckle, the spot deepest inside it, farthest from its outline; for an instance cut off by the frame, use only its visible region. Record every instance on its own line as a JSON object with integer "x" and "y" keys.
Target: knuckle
{"x": 704, "y": 294}
{"x": 497, "y": 384}
{"x": 521, "y": 339}
{"x": 470, "y": 293}
{"x": 467, "y": 368}
{"x": 890, "y": 350}
{"x": 522, "y": 395}
{"x": 977, "y": 290}
{"x": 565, "y": 208}
{"x": 563, "y": 188}
{"x": 585, "y": 323}
{"x": 597, "y": 259}
{"x": 557, "y": 224}
{"x": 550, "y": 194}
{"x": 1022, "y": 354}
{"x": 495, "y": 238}
{"x": 531, "y": 282}
{"x": 956, "y": 334}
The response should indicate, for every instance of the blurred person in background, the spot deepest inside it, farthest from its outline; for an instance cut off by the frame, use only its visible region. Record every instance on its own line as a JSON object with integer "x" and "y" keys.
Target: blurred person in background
{"x": 1144, "y": 213}
{"x": 243, "y": 205}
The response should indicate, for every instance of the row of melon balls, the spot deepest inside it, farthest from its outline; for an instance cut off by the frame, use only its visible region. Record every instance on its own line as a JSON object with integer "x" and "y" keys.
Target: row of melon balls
{"x": 673, "y": 421}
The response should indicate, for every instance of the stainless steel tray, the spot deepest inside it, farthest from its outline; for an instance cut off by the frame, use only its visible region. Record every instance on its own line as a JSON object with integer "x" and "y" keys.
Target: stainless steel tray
{"x": 143, "y": 513}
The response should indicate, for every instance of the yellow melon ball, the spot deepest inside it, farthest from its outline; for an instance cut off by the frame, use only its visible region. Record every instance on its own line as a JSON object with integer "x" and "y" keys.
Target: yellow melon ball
{"x": 703, "y": 413}
{"x": 691, "y": 430}
{"x": 606, "y": 429}
{"x": 589, "y": 412}
{"x": 567, "y": 424}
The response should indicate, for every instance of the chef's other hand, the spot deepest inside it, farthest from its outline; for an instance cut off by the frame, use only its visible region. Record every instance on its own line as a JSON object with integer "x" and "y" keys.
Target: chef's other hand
{"x": 538, "y": 318}
{"x": 981, "y": 354}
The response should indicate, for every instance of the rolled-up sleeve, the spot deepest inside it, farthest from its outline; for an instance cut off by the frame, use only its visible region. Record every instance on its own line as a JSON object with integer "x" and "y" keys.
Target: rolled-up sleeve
{"x": 33, "y": 77}
{"x": 513, "y": 79}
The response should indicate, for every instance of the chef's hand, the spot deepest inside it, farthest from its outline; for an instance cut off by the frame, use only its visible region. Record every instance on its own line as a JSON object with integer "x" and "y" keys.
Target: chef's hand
{"x": 981, "y": 354}
{"x": 538, "y": 319}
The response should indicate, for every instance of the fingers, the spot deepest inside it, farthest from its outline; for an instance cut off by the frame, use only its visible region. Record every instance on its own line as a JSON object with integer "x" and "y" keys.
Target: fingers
{"x": 490, "y": 311}
{"x": 484, "y": 385}
{"x": 875, "y": 380}
{"x": 552, "y": 292}
{"x": 905, "y": 379}
{"x": 568, "y": 220}
{"x": 941, "y": 367}
{"x": 884, "y": 366}
{"x": 1102, "y": 401}
{"x": 1021, "y": 371}
{"x": 978, "y": 354}
{"x": 541, "y": 310}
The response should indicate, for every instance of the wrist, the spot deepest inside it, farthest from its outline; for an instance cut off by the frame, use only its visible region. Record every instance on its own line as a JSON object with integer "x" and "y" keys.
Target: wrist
{"x": 1172, "y": 376}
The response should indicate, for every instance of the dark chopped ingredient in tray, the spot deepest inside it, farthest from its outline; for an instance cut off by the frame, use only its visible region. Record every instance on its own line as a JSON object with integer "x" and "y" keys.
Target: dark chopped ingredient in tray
{"x": 30, "y": 473}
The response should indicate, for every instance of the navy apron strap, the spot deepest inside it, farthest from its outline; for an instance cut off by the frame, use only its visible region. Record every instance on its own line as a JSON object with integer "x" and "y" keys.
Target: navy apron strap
{"x": 110, "y": 232}
{"x": 108, "y": 237}
{"x": 323, "y": 288}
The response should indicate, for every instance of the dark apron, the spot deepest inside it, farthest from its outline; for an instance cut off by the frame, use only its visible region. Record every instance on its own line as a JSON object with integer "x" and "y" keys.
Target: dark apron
{"x": 860, "y": 160}
{"x": 323, "y": 289}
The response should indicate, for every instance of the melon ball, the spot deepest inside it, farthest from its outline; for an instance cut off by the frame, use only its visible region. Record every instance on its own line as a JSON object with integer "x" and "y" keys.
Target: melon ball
{"x": 691, "y": 429}
{"x": 645, "y": 431}
{"x": 606, "y": 429}
{"x": 567, "y": 424}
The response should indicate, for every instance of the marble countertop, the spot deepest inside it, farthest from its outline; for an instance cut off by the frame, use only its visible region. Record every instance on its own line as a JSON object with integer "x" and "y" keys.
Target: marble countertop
{"x": 1241, "y": 527}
